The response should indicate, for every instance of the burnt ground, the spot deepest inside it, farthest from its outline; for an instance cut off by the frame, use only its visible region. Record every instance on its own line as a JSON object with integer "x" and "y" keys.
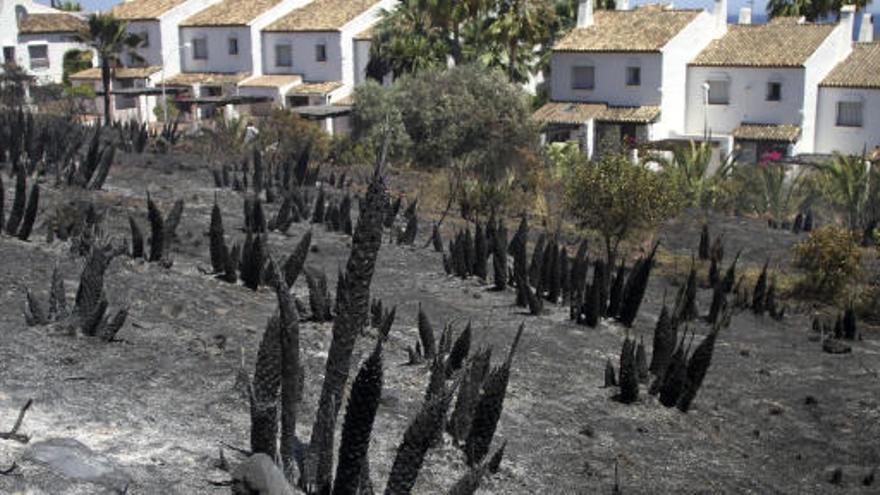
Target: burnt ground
{"x": 157, "y": 405}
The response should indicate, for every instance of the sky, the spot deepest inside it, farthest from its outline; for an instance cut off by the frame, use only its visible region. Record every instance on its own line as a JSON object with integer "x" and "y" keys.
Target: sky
{"x": 732, "y": 5}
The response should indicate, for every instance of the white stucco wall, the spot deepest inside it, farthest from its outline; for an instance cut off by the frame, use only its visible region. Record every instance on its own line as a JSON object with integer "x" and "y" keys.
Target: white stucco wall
{"x": 303, "y": 55}
{"x": 58, "y": 45}
{"x": 346, "y": 59}
{"x": 609, "y": 78}
{"x": 219, "y": 59}
{"x": 831, "y": 138}
{"x": 833, "y": 50}
{"x": 747, "y": 90}
{"x": 152, "y": 53}
{"x": 680, "y": 50}
{"x": 361, "y": 59}
{"x": 8, "y": 21}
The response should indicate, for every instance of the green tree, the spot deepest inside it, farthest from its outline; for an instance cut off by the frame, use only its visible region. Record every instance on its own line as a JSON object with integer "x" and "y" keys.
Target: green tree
{"x": 67, "y": 6}
{"x": 812, "y": 10}
{"x": 619, "y": 198}
{"x": 850, "y": 185}
{"x": 75, "y": 61}
{"x": 376, "y": 115}
{"x": 690, "y": 169}
{"x": 517, "y": 29}
{"x": 424, "y": 34}
{"x": 109, "y": 38}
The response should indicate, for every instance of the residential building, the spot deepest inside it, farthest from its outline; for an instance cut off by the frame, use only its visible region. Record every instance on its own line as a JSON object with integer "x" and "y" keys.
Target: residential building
{"x": 756, "y": 88}
{"x": 36, "y": 37}
{"x": 848, "y": 116}
{"x": 223, "y": 47}
{"x": 326, "y": 45}
{"x": 620, "y": 74}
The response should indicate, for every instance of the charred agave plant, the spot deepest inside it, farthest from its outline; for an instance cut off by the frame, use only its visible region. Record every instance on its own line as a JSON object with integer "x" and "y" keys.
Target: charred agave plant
{"x": 24, "y": 209}
{"x": 89, "y": 314}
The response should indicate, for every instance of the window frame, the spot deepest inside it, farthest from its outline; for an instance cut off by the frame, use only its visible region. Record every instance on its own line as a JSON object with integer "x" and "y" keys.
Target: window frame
{"x": 718, "y": 102}
{"x": 283, "y": 47}
{"x": 861, "y": 114}
{"x": 574, "y": 80}
{"x": 200, "y": 54}
{"x": 770, "y": 95}
{"x": 634, "y": 69}
{"x": 232, "y": 43}
{"x": 41, "y": 62}
{"x": 320, "y": 52}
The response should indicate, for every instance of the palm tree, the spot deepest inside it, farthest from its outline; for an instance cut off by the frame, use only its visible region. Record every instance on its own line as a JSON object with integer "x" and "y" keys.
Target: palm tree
{"x": 109, "y": 37}
{"x": 520, "y": 26}
{"x": 849, "y": 182}
{"x": 406, "y": 40}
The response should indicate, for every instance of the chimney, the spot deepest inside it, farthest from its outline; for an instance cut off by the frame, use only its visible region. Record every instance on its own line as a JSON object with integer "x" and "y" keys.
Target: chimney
{"x": 745, "y": 15}
{"x": 621, "y": 5}
{"x": 848, "y": 20}
{"x": 719, "y": 12}
{"x": 866, "y": 30}
{"x": 585, "y": 13}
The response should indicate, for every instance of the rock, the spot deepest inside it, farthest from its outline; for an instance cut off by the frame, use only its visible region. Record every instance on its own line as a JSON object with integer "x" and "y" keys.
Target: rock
{"x": 259, "y": 475}
{"x": 834, "y": 346}
{"x": 834, "y": 475}
{"x": 810, "y": 401}
{"x": 73, "y": 460}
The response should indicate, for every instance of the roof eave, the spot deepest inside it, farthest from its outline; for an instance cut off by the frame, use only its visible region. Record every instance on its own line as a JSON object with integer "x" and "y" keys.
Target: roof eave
{"x": 580, "y": 50}
{"x": 749, "y": 66}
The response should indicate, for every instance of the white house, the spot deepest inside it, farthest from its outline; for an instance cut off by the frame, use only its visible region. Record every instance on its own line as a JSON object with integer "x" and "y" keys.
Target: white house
{"x": 848, "y": 117}
{"x": 225, "y": 39}
{"x": 620, "y": 74}
{"x": 756, "y": 88}
{"x": 325, "y": 44}
{"x": 36, "y": 37}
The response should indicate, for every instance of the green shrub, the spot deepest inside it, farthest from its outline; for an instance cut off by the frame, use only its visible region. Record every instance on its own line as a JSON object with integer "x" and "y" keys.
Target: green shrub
{"x": 831, "y": 259}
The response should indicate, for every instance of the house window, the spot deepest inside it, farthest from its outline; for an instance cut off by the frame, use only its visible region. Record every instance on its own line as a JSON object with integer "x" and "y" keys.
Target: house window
{"x": 145, "y": 39}
{"x": 719, "y": 92}
{"x": 633, "y": 76}
{"x": 849, "y": 113}
{"x": 774, "y": 91}
{"x": 200, "y": 48}
{"x": 582, "y": 77}
{"x": 321, "y": 52}
{"x": 297, "y": 101}
{"x": 283, "y": 56}
{"x": 9, "y": 54}
{"x": 39, "y": 55}
{"x": 124, "y": 102}
{"x": 233, "y": 46}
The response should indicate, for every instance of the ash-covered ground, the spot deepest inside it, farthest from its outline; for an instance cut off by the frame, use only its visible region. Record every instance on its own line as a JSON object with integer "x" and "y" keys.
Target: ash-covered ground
{"x": 150, "y": 412}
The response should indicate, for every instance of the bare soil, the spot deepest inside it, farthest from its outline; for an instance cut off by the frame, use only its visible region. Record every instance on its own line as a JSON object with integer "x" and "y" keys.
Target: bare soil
{"x": 775, "y": 414}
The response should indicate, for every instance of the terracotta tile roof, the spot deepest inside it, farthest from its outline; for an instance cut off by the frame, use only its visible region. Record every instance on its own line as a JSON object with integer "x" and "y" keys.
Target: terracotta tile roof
{"x": 860, "y": 70}
{"x": 563, "y": 112}
{"x": 209, "y": 78}
{"x": 767, "y": 132}
{"x": 271, "y": 81}
{"x": 319, "y": 88}
{"x": 118, "y": 73}
{"x": 322, "y": 15}
{"x": 230, "y": 13}
{"x": 630, "y": 115}
{"x": 645, "y": 29}
{"x": 141, "y": 10}
{"x": 51, "y": 23}
{"x": 777, "y": 44}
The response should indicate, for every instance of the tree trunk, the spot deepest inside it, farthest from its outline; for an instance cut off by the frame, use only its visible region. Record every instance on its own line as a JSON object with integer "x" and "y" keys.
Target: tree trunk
{"x": 105, "y": 83}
